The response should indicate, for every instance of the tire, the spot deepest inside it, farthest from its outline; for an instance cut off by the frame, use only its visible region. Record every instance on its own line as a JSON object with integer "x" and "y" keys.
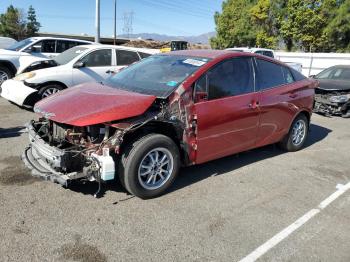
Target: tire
{"x": 346, "y": 114}
{"x": 5, "y": 74}
{"x": 136, "y": 165}
{"x": 48, "y": 90}
{"x": 297, "y": 134}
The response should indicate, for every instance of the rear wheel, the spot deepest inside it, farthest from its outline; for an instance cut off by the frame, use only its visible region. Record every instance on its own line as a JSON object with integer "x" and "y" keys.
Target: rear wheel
{"x": 297, "y": 134}
{"x": 49, "y": 90}
{"x": 149, "y": 165}
{"x": 5, "y": 74}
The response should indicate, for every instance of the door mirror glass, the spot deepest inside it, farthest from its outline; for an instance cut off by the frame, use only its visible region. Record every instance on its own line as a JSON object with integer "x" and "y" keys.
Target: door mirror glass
{"x": 79, "y": 64}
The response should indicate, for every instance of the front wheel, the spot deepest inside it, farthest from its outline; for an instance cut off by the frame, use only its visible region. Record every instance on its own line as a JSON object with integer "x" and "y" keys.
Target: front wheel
{"x": 297, "y": 134}
{"x": 5, "y": 74}
{"x": 149, "y": 165}
{"x": 49, "y": 90}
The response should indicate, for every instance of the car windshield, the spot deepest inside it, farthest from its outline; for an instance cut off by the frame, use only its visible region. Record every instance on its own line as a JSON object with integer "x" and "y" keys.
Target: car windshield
{"x": 157, "y": 75}
{"x": 69, "y": 54}
{"x": 335, "y": 73}
{"x": 19, "y": 45}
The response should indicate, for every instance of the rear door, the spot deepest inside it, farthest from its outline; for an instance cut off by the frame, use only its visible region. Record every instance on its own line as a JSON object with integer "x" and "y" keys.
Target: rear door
{"x": 125, "y": 58}
{"x": 98, "y": 67}
{"x": 226, "y": 110}
{"x": 279, "y": 94}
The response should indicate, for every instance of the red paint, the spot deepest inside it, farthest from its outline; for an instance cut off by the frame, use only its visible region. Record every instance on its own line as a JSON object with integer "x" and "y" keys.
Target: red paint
{"x": 93, "y": 103}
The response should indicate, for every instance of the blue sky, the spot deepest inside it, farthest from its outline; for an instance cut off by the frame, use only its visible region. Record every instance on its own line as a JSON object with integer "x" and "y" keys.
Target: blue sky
{"x": 171, "y": 17}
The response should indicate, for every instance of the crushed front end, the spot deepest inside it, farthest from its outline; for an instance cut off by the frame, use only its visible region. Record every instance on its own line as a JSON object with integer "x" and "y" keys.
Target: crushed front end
{"x": 61, "y": 153}
{"x": 329, "y": 102}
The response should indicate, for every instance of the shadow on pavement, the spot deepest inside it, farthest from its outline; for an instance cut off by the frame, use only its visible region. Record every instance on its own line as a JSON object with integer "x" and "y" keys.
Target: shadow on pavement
{"x": 11, "y": 132}
{"x": 194, "y": 174}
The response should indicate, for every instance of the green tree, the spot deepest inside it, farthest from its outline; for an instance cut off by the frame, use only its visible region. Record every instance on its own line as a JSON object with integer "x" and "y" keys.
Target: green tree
{"x": 233, "y": 25}
{"x": 33, "y": 25}
{"x": 12, "y": 23}
{"x": 338, "y": 29}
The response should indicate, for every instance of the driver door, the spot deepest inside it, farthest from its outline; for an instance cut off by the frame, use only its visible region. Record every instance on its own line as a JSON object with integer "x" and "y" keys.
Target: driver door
{"x": 227, "y": 110}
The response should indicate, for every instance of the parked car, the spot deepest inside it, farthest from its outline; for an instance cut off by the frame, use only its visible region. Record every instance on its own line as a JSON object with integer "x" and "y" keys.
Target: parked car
{"x": 6, "y": 42}
{"x": 333, "y": 95}
{"x": 169, "y": 110}
{"x": 80, "y": 64}
{"x": 266, "y": 52}
{"x": 15, "y": 58}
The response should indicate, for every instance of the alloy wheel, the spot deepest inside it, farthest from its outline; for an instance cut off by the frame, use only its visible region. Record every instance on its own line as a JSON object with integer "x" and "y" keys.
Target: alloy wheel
{"x": 298, "y": 132}
{"x": 155, "y": 168}
{"x": 49, "y": 91}
{"x": 3, "y": 76}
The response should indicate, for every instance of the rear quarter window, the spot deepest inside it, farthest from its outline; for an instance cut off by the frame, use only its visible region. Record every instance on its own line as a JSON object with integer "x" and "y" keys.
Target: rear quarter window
{"x": 270, "y": 74}
{"x": 297, "y": 76}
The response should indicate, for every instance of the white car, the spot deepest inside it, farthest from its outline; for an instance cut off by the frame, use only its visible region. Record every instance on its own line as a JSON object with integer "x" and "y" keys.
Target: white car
{"x": 6, "y": 42}
{"x": 15, "y": 58}
{"x": 80, "y": 64}
{"x": 266, "y": 52}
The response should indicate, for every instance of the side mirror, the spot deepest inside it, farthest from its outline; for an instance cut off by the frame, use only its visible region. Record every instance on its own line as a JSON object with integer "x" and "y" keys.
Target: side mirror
{"x": 312, "y": 76}
{"x": 79, "y": 64}
{"x": 200, "y": 97}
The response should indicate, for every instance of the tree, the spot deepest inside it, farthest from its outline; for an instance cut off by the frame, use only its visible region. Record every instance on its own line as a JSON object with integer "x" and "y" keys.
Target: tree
{"x": 12, "y": 23}
{"x": 33, "y": 25}
{"x": 338, "y": 30}
{"x": 233, "y": 25}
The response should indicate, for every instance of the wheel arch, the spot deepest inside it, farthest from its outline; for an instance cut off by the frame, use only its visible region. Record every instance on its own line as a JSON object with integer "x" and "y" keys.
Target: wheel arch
{"x": 53, "y": 83}
{"x": 9, "y": 65}
{"x": 304, "y": 112}
{"x": 163, "y": 128}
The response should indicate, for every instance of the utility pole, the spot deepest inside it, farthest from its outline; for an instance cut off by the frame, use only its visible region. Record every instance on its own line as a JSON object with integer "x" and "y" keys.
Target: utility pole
{"x": 97, "y": 22}
{"x": 115, "y": 22}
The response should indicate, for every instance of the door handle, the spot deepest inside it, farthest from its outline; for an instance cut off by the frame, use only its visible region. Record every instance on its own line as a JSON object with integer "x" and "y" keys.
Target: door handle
{"x": 293, "y": 95}
{"x": 254, "y": 104}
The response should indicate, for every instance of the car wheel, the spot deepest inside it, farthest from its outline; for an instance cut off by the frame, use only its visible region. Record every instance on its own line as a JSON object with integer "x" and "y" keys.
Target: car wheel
{"x": 5, "y": 74}
{"x": 297, "y": 134}
{"x": 149, "y": 165}
{"x": 49, "y": 90}
{"x": 346, "y": 114}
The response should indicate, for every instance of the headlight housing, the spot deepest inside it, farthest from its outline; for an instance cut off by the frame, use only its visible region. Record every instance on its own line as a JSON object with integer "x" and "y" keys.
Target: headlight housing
{"x": 339, "y": 99}
{"x": 24, "y": 76}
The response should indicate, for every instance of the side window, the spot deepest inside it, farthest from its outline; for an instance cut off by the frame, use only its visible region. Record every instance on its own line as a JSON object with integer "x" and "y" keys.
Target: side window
{"x": 268, "y": 53}
{"x": 288, "y": 77}
{"x": 231, "y": 77}
{"x": 270, "y": 74}
{"x": 64, "y": 45}
{"x": 98, "y": 58}
{"x": 125, "y": 57}
{"x": 48, "y": 46}
{"x": 144, "y": 55}
{"x": 297, "y": 76}
{"x": 201, "y": 89}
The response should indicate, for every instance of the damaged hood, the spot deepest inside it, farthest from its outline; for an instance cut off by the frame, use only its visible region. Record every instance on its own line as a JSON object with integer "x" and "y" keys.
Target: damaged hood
{"x": 92, "y": 103}
{"x": 334, "y": 85}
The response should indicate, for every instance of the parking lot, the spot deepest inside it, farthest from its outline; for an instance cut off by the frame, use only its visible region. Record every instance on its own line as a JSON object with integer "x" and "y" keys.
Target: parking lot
{"x": 219, "y": 211}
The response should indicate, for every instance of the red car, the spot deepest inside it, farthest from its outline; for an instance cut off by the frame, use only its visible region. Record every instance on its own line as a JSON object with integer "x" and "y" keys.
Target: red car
{"x": 169, "y": 110}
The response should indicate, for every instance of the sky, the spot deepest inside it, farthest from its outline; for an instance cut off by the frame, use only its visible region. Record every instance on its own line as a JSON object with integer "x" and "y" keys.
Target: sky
{"x": 170, "y": 17}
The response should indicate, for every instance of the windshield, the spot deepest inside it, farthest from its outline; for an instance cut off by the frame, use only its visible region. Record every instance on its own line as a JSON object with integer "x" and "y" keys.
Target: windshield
{"x": 69, "y": 54}
{"x": 19, "y": 45}
{"x": 157, "y": 75}
{"x": 335, "y": 73}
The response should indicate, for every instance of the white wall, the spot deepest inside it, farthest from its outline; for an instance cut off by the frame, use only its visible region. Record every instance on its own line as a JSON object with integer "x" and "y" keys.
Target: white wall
{"x": 314, "y": 63}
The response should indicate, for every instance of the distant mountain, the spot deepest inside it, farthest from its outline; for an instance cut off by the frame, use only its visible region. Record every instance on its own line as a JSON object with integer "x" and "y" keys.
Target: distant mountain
{"x": 203, "y": 38}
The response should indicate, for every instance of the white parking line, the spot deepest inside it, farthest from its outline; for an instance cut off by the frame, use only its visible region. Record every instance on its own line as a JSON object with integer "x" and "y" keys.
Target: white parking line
{"x": 261, "y": 250}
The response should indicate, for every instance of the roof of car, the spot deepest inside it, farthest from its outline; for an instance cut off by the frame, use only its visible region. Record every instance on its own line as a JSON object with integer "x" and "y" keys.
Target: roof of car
{"x": 204, "y": 53}
{"x": 342, "y": 66}
{"x": 101, "y": 46}
{"x": 58, "y": 38}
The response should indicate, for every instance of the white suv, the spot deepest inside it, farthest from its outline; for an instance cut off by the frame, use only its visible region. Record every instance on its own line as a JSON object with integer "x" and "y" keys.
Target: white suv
{"x": 15, "y": 58}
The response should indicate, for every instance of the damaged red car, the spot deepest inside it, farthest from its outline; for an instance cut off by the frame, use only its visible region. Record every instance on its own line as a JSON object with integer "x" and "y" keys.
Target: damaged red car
{"x": 169, "y": 110}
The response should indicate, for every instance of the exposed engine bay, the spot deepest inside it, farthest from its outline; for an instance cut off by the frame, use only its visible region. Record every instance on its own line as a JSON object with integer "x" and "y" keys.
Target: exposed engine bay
{"x": 332, "y": 102}
{"x": 61, "y": 153}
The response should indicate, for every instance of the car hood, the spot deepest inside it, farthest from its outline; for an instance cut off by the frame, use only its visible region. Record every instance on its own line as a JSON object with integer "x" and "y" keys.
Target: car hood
{"x": 334, "y": 85}
{"x": 92, "y": 103}
{"x": 8, "y": 52}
